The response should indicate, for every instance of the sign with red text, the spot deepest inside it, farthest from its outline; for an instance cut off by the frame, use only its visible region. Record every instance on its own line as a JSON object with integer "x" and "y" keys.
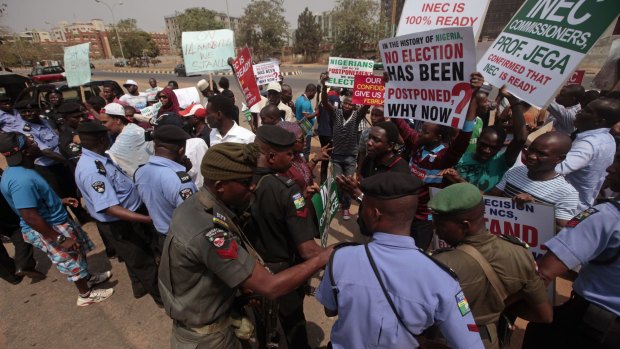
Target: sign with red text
{"x": 422, "y": 15}
{"x": 266, "y": 72}
{"x": 245, "y": 75}
{"x": 576, "y": 78}
{"x": 368, "y": 90}
{"x": 542, "y": 45}
{"x": 429, "y": 75}
{"x": 342, "y": 71}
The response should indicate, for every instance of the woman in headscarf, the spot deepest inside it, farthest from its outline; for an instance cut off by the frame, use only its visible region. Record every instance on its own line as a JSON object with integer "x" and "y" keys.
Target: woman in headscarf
{"x": 169, "y": 102}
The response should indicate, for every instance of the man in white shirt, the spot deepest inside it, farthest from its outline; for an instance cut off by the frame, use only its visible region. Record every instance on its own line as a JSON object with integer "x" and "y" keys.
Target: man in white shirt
{"x": 151, "y": 92}
{"x": 593, "y": 149}
{"x": 223, "y": 127}
{"x": 133, "y": 97}
{"x": 274, "y": 97}
{"x": 564, "y": 108}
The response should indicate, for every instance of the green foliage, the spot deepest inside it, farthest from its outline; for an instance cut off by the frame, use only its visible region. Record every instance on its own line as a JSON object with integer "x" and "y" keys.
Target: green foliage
{"x": 307, "y": 36}
{"x": 357, "y": 23}
{"x": 21, "y": 52}
{"x": 263, "y": 28}
{"x": 198, "y": 19}
{"x": 136, "y": 42}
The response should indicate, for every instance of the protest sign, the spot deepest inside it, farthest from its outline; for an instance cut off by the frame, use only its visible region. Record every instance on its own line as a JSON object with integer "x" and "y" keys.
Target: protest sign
{"x": 187, "y": 96}
{"x": 266, "y": 72}
{"x": 423, "y": 15}
{"x": 543, "y": 43}
{"x": 77, "y": 64}
{"x": 368, "y": 90}
{"x": 342, "y": 71}
{"x": 429, "y": 75}
{"x": 326, "y": 204}
{"x": 245, "y": 75}
{"x": 148, "y": 113}
{"x": 576, "y": 78}
{"x": 207, "y": 51}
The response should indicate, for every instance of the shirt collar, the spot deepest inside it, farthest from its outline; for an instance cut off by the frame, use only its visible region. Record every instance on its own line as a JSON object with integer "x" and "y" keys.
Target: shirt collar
{"x": 95, "y": 156}
{"x": 393, "y": 240}
{"x": 162, "y": 161}
{"x": 592, "y": 132}
{"x": 479, "y": 239}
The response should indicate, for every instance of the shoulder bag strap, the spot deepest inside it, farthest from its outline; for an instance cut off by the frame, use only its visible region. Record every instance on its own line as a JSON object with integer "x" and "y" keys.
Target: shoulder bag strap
{"x": 385, "y": 292}
{"x": 330, "y": 270}
{"x": 486, "y": 267}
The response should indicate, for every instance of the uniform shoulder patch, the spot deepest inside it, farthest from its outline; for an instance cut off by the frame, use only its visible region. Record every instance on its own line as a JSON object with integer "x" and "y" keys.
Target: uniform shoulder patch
{"x": 581, "y": 216}
{"x": 222, "y": 240}
{"x": 186, "y": 193}
{"x": 462, "y": 304}
{"x": 220, "y": 220}
{"x": 443, "y": 267}
{"x": 287, "y": 181}
{"x": 514, "y": 240}
{"x": 184, "y": 177}
{"x": 100, "y": 167}
{"x": 99, "y": 187}
{"x": 27, "y": 127}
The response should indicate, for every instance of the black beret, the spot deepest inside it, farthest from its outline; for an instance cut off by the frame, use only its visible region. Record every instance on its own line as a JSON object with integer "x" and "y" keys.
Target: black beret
{"x": 275, "y": 136}
{"x": 70, "y": 108}
{"x": 4, "y": 98}
{"x": 170, "y": 134}
{"x": 26, "y": 104}
{"x": 91, "y": 126}
{"x": 170, "y": 118}
{"x": 390, "y": 185}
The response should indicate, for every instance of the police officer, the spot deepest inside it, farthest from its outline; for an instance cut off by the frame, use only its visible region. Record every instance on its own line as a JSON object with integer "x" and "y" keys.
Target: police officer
{"x": 281, "y": 227}
{"x": 495, "y": 271}
{"x": 163, "y": 183}
{"x": 591, "y": 317}
{"x": 388, "y": 291}
{"x": 72, "y": 113}
{"x": 113, "y": 201}
{"x": 205, "y": 260}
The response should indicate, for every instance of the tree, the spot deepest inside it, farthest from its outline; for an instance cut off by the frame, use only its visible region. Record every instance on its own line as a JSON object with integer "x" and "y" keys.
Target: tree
{"x": 263, "y": 27}
{"x": 307, "y": 36}
{"x": 197, "y": 19}
{"x": 136, "y": 42}
{"x": 356, "y": 24}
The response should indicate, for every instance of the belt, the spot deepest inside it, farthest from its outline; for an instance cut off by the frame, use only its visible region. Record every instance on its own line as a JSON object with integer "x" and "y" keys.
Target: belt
{"x": 217, "y": 326}
{"x": 583, "y": 304}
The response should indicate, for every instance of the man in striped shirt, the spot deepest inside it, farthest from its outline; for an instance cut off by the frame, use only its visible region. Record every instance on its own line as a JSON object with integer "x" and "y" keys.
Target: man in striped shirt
{"x": 538, "y": 181}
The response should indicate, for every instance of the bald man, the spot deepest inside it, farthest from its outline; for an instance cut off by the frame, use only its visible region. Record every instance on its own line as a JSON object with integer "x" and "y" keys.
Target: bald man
{"x": 271, "y": 115}
{"x": 537, "y": 180}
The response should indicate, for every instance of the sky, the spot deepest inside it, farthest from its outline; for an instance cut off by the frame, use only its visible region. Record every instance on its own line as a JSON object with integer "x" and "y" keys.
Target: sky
{"x": 45, "y": 14}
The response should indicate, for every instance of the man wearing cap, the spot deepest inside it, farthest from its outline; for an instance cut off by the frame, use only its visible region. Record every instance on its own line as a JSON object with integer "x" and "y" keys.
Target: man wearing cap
{"x": 44, "y": 221}
{"x": 130, "y": 149}
{"x": 498, "y": 273}
{"x": 204, "y": 91}
{"x": 113, "y": 201}
{"x": 72, "y": 113}
{"x": 223, "y": 127}
{"x": 163, "y": 183}
{"x": 133, "y": 97}
{"x": 274, "y": 90}
{"x": 281, "y": 228}
{"x": 388, "y": 291}
{"x": 206, "y": 259}
{"x": 195, "y": 115}
{"x": 10, "y": 120}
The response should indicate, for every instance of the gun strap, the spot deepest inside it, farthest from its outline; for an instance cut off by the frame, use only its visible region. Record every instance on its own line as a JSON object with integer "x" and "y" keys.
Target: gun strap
{"x": 491, "y": 275}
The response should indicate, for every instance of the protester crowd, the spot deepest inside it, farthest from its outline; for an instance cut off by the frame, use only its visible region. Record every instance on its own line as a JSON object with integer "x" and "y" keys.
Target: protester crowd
{"x": 215, "y": 221}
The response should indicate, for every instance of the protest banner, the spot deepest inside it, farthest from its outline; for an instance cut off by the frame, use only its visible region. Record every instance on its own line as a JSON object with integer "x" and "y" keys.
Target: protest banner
{"x": 368, "y": 90}
{"x": 326, "y": 204}
{"x": 423, "y": 15}
{"x": 187, "y": 96}
{"x": 245, "y": 76}
{"x": 342, "y": 71}
{"x": 207, "y": 51}
{"x": 266, "y": 72}
{"x": 148, "y": 113}
{"x": 429, "y": 75}
{"x": 543, "y": 43}
{"x": 576, "y": 78}
{"x": 77, "y": 64}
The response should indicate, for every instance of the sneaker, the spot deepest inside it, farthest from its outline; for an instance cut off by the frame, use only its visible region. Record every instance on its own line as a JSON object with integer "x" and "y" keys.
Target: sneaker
{"x": 346, "y": 215}
{"x": 96, "y": 279}
{"x": 95, "y": 296}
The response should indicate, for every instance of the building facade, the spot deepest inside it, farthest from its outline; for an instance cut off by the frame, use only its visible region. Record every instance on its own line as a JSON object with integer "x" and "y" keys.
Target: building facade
{"x": 161, "y": 40}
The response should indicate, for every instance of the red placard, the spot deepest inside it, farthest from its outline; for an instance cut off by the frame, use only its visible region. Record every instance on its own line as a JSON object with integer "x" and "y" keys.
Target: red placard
{"x": 245, "y": 75}
{"x": 368, "y": 90}
{"x": 576, "y": 78}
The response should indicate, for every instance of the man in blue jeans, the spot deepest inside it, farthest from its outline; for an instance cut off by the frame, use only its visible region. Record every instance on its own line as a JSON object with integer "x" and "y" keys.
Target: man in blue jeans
{"x": 345, "y": 122}
{"x": 304, "y": 110}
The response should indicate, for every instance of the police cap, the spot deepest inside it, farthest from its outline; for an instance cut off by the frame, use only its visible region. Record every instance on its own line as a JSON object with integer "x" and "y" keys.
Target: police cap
{"x": 91, "y": 126}
{"x": 275, "y": 136}
{"x": 170, "y": 134}
{"x": 390, "y": 185}
{"x": 456, "y": 198}
{"x": 70, "y": 108}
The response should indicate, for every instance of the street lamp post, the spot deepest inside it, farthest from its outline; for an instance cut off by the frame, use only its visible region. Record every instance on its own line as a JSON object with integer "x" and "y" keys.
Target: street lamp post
{"x": 118, "y": 38}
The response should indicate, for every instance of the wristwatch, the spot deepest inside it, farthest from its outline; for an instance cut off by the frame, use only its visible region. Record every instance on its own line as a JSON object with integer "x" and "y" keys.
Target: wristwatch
{"x": 60, "y": 239}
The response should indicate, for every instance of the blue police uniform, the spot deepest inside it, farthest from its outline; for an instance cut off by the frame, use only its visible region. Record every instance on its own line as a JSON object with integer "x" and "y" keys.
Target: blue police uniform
{"x": 422, "y": 292}
{"x": 163, "y": 185}
{"x": 103, "y": 185}
{"x": 45, "y": 137}
{"x": 11, "y": 122}
{"x": 591, "y": 317}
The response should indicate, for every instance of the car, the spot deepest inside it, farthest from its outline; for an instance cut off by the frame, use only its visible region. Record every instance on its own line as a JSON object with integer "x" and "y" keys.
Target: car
{"x": 42, "y": 75}
{"x": 12, "y": 85}
{"x": 378, "y": 65}
{"x": 120, "y": 63}
{"x": 78, "y": 93}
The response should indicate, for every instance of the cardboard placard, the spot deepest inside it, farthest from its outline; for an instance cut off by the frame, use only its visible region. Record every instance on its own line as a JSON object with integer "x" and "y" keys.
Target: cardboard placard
{"x": 342, "y": 71}
{"x": 77, "y": 64}
{"x": 368, "y": 90}
{"x": 207, "y": 51}
{"x": 245, "y": 75}
{"x": 266, "y": 72}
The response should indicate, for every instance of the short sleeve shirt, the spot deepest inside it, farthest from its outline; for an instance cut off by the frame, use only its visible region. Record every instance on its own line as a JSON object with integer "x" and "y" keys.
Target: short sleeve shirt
{"x": 303, "y": 105}
{"x": 46, "y": 138}
{"x": 11, "y": 122}
{"x": 485, "y": 175}
{"x": 25, "y": 188}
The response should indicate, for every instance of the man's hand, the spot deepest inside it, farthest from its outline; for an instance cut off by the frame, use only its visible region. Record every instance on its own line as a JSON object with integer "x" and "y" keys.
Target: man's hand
{"x": 323, "y": 154}
{"x": 311, "y": 190}
{"x": 325, "y": 254}
{"x": 187, "y": 163}
{"x": 349, "y": 185}
{"x": 324, "y": 77}
{"x": 521, "y": 199}
{"x": 476, "y": 80}
{"x": 73, "y": 202}
{"x": 452, "y": 175}
{"x": 69, "y": 244}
